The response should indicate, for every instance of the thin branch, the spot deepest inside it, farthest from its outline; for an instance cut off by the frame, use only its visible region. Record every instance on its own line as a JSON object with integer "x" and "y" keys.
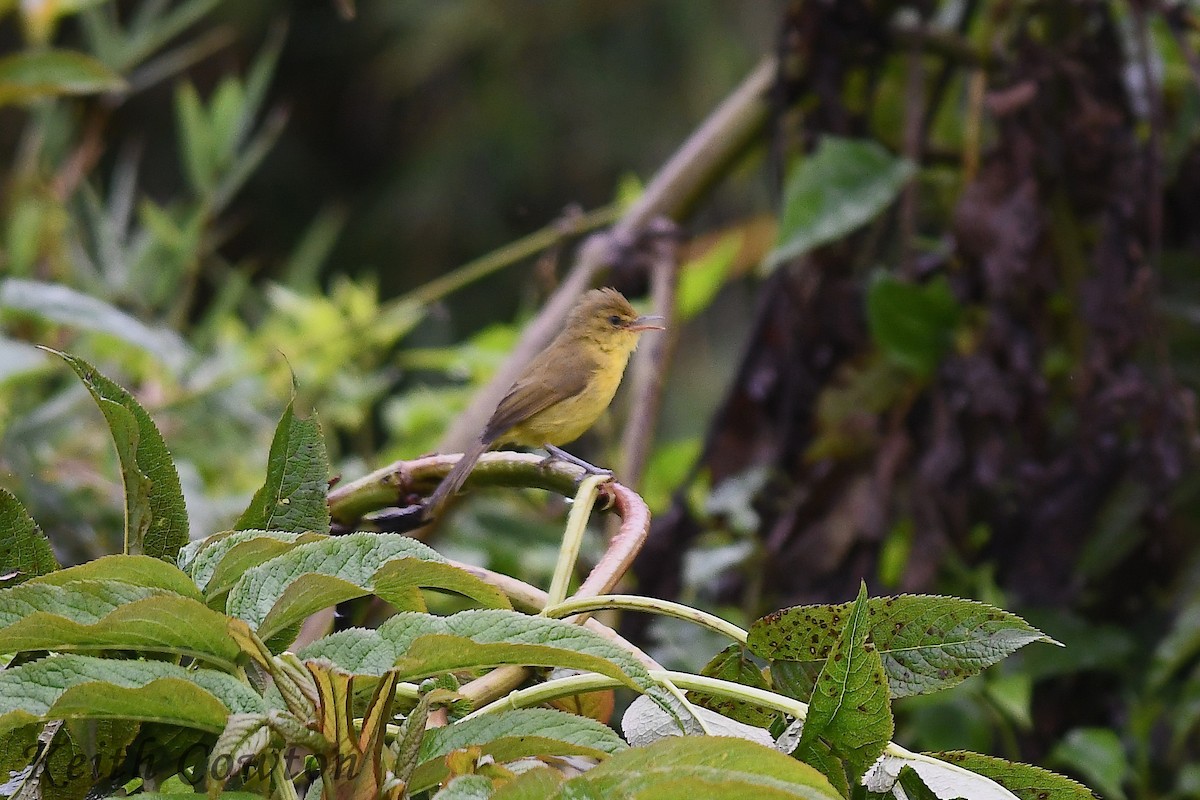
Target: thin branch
{"x": 404, "y": 483}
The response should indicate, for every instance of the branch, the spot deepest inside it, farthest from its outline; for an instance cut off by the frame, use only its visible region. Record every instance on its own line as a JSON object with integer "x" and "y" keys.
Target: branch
{"x": 404, "y": 483}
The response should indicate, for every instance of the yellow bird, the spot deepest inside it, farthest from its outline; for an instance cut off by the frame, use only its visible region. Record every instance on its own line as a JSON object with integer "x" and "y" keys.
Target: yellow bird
{"x": 565, "y": 388}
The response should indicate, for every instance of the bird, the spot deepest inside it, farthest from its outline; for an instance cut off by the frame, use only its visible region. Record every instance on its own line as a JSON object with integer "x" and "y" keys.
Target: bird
{"x": 563, "y": 390}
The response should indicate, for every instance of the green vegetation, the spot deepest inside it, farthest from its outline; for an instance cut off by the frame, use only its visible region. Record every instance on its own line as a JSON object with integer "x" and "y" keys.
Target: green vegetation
{"x": 931, "y": 355}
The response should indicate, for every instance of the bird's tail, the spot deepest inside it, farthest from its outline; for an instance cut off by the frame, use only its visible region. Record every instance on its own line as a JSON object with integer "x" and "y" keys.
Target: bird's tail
{"x": 454, "y": 480}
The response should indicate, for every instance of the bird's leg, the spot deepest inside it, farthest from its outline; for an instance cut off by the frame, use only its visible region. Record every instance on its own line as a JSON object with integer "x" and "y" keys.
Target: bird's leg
{"x": 562, "y": 455}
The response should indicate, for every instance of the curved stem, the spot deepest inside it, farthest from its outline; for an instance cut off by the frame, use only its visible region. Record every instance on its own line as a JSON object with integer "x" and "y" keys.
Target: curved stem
{"x": 653, "y": 605}
{"x": 577, "y": 520}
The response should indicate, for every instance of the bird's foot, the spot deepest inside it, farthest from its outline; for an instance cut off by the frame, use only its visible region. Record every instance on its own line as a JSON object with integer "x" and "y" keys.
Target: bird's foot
{"x": 558, "y": 454}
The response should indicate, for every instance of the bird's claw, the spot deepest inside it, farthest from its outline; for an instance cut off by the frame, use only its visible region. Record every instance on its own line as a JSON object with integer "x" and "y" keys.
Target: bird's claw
{"x": 558, "y": 454}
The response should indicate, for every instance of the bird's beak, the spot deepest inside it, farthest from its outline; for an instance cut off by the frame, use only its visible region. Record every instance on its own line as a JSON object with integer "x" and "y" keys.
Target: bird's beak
{"x": 652, "y": 322}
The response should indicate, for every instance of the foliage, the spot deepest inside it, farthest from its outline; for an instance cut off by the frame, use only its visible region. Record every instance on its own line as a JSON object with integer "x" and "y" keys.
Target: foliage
{"x": 953, "y": 356}
{"x": 194, "y": 653}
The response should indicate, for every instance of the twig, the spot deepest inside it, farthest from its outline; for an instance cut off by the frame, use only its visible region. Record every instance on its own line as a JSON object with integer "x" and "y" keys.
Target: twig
{"x": 701, "y": 159}
{"x": 569, "y": 224}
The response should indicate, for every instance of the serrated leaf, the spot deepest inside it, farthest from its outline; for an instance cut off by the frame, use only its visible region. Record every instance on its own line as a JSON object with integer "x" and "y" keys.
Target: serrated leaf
{"x": 67, "y": 306}
{"x": 144, "y": 571}
{"x": 710, "y": 767}
{"x": 32, "y": 74}
{"x": 947, "y": 781}
{"x": 85, "y": 602}
{"x": 850, "y": 708}
{"x": 839, "y": 187}
{"x": 218, "y": 566}
{"x": 510, "y": 735}
{"x": 927, "y": 643}
{"x": 203, "y": 698}
{"x": 286, "y": 589}
{"x": 24, "y": 551}
{"x": 733, "y": 664}
{"x": 160, "y": 623}
{"x": 244, "y": 737}
{"x": 1024, "y": 780}
{"x": 156, "y": 521}
{"x": 293, "y": 496}
{"x": 420, "y": 645}
{"x": 912, "y": 324}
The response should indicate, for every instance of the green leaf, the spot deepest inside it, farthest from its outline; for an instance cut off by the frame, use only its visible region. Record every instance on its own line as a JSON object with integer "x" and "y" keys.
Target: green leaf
{"x": 32, "y": 74}
{"x": 912, "y": 324}
{"x": 225, "y": 557}
{"x": 927, "y": 643}
{"x": 309, "y": 577}
{"x": 24, "y": 551}
{"x": 510, "y": 735}
{"x": 710, "y": 767}
{"x": 169, "y": 701}
{"x": 701, "y": 278}
{"x": 293, "y": 496}
{"x": 1023, "y": 780}
{"x": 110, "y": 688}
{"x": 850, "y": 708}
{"x": 66, "y": 306}
{"x": 838, "y": 188}
{"x": 420, "y": 645}
{"x": 195, "y": 139}
{"x": 144, "y": 571}
{"x": 1096, "y": 754}
{"x": 244, "y": 738}
{"x": 85, "y": 602}
{"x": 64, "y": 770}
{"x": 160, "y": 623}
{"x": 156, "y": 521}
{"x": 536, "y": 784}
{"x": 733, "y": 664}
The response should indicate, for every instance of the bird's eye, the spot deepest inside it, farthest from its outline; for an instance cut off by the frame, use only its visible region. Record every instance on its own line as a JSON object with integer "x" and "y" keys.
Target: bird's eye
{"x": 615, "y": 319}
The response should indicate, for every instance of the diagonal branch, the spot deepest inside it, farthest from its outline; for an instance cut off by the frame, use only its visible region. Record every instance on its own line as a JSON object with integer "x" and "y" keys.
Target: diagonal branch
{"x": 703, "y": 158}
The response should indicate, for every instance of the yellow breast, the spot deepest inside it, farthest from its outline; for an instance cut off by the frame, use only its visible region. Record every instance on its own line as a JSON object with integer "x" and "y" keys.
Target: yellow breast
{"x": 568, "y": 419}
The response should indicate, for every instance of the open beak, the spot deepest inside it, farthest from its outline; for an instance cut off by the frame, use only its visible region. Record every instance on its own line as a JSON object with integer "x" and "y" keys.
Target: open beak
{"x": 652, "y": 322}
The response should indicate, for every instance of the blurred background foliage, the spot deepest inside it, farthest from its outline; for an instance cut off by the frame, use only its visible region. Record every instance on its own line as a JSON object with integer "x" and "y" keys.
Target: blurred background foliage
{"x": 938, "y": 326}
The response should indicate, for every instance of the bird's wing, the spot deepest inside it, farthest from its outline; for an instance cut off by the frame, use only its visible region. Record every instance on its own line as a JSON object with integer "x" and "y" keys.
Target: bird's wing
{"x": 542, "y": 386}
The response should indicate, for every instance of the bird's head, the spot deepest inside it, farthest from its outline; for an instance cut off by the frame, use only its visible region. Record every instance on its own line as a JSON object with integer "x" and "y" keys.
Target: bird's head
{"x": 606, "y": 317}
